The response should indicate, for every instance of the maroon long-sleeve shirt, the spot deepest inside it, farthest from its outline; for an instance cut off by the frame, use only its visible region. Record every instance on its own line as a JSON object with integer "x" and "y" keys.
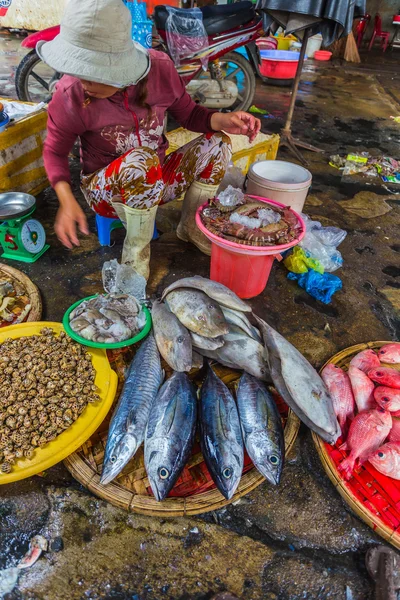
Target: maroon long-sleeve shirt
{"x": 109, "y": 127}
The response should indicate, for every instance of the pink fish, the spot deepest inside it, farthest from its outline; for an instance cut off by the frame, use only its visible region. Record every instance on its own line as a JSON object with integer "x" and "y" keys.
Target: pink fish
{"x": 365, "y": 360}
{"x": 363, "y": 389}
{"x": 394, "y": 435}
{"x": 388, "y": 398}
{"x": 339, "y": 388}
{"x": 386, "y": 459}
{"x": 390, "y": 353}
{"x": 368, "y": 431}
{"x": 385, "y": 376}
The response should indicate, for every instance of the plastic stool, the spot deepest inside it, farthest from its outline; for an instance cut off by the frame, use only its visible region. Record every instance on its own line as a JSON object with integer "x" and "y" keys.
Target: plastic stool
{"x": 106, "y": 225}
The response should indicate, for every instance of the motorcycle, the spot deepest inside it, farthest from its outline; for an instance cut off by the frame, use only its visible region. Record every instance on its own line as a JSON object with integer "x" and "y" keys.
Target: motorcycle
{"x": 228, "y": 84}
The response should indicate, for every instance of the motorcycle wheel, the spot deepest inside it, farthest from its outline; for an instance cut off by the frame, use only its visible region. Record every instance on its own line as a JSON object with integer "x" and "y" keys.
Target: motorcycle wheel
{"x": 34, "y": 79}
{"x": 238, "y": 69}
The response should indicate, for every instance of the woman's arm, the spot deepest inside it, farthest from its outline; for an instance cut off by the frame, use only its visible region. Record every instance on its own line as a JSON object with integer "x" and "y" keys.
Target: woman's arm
{"x": 64, "y": 125}
{"x": 203, "y": 120}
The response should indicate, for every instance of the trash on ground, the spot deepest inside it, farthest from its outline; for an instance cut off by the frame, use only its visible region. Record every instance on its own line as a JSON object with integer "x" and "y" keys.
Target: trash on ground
{"x": 386, "y": 167}
{"x": 319, "y": 286}
{"x": 299, "y": 261}
{"x": 321, "y": 244}
{"x": 258, "y": 111}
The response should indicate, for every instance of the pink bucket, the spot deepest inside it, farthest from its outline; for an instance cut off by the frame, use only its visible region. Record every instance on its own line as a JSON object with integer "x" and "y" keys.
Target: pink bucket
{"x": 244, "y": 269}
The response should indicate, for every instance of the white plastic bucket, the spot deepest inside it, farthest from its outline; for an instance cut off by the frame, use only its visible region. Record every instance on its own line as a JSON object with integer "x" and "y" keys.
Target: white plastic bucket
{"x": 281, "y": 181}
{"x": 313, "y": 45}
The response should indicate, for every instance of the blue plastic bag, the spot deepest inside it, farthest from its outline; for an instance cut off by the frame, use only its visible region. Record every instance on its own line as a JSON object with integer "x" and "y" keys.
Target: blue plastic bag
{"x": 321, "y": 287}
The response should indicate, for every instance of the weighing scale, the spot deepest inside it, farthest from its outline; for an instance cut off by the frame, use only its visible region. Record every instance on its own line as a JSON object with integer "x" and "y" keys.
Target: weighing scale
{"x": 22, "y": 238}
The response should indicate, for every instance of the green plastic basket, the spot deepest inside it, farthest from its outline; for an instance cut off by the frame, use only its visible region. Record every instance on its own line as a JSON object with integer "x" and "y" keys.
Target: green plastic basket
{"x": 142, "y": 334}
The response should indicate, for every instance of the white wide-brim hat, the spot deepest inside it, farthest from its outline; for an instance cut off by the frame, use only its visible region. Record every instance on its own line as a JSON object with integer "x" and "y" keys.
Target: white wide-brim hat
{"x": 95, "y": 44}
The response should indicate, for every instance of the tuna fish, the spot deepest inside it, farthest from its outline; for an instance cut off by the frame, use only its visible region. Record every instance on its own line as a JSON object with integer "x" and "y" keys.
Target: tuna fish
{"x": 363, "y": 389}
{"x": 390, "y": 353}
{"x": 197, "y": 312}
{"x": 365, "y": 360}
{"x": 129, "y": 420}
{"x": 170, "y": 433}
{"x": 241, "y": 352}
{"x": 172, "y": 338}
{"x": 239, "y": 319}
{"x": 221, "y": 438}
{"x": 388, "y": 398}
{"x": 261, "y": 427}
{"x": 339, "y": 387}
{"x": 367, "y": 432}
{"x": 385, "y": 376}
{"x": 386, "y": 459}
{"x": 214, "y": 290}
{"x": 300, "y": 385}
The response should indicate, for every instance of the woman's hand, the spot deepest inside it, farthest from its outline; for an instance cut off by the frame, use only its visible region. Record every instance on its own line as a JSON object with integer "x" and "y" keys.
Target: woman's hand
{"x": 69, "y": 217}
{"x": 236, "y": 123}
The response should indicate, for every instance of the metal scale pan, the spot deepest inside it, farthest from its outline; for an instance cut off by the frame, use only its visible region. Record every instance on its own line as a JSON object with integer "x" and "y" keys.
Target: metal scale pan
{"x": 14, "y": 205}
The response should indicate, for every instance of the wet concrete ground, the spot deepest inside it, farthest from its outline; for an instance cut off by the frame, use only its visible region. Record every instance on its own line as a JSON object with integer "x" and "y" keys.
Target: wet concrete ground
{"x": 298, "y": 540}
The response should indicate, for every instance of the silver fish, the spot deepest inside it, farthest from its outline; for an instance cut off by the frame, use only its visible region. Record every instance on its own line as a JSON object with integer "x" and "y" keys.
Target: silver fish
{"x": 170, "y": 433}
{"x": 221, "y": 438}
{"x": 261, "y": 427}
{"x": 200, "y": 341}
{"x": 173, "y": 339}
{"x": 197, "y": 312}
{"x": 241, "y": 352}
{"x": 300, "y": 385}
{"x": 213, "y": 289}
{"x": 129, "y": 420}
{"x": 239, "y": 319}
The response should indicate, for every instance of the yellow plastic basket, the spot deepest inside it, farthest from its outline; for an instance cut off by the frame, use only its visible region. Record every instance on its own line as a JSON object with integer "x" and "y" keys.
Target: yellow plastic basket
{"x": 21, "y": 160}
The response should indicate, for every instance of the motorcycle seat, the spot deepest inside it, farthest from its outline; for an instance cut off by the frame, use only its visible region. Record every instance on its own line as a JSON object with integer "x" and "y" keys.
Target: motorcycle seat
{"x": 216, "y": 19}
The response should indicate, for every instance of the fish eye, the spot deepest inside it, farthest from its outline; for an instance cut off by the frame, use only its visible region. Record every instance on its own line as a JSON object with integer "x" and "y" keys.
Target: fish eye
{"x": 227, "y": 473}
{"x": 201, "y": 318}
{"x": 380, "y": 454}
{"x": 163, "y": 473}
{"x": 379, "y": 373}
{"x": 113, "y": 459}
{"x": 385, "y": 399}
{"x": 210, "y": 306}
{"x": 179, "y": 339}
{"x": 273, "y": 459}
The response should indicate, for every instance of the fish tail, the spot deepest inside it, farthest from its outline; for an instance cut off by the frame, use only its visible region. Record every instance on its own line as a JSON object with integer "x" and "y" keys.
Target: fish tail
{"x": 347, "y": 467}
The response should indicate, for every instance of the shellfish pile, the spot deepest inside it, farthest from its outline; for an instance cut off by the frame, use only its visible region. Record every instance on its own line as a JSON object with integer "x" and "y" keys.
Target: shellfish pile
{"x": 251, "y": 222}
{"x": 108, "y": 318}
{"x": 45, "y": 384}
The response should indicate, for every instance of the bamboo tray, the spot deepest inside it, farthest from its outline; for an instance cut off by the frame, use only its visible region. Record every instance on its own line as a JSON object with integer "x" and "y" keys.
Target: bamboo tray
{"x": 35, "y": 314}
{"x": 374, "y": 497}
{"x": 194, "y": 492}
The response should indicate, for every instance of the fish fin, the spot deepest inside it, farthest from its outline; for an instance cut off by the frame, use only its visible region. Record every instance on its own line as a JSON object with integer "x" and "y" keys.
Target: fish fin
{"x": 169, "y": 414}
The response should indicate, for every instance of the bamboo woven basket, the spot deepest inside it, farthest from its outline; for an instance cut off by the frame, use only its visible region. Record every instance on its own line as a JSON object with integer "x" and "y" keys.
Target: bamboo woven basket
{"x": 35, "y": 314}
{"x": 194, "y": 492}
{"x": 374, "y": 497}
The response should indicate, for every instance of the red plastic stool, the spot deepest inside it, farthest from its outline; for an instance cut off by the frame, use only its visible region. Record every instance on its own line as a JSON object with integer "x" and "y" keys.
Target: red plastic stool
{"x": 378, "y": 33}
{"x": 362, "y": 26}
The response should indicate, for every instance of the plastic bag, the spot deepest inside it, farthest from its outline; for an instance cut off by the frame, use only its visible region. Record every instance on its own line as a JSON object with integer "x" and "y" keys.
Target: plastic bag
{"x": 123, "y": 279}
{"x": 231, "y": 196}
{"x": 233, "y": 177}
{"x": 186, "y": 35}
{"x": 319, "y": 286}
{"x": 321, "y": 243}
{"x": 300, "y": 261}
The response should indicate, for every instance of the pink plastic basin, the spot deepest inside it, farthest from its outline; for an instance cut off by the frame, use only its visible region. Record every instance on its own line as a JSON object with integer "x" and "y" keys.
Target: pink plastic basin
{"x": 244, "y": 269}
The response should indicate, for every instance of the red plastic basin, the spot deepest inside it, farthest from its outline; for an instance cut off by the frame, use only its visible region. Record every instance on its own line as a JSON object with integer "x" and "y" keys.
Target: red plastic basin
{"x": 244, "y": 269}
{"x": 322, "y": 55}
{"x": 278, "y": 69}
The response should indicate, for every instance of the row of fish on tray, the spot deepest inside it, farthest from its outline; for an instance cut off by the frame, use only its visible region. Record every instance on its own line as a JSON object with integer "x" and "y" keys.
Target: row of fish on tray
{"x": 198, "y": 318}
{"x": 366, "y": 400}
